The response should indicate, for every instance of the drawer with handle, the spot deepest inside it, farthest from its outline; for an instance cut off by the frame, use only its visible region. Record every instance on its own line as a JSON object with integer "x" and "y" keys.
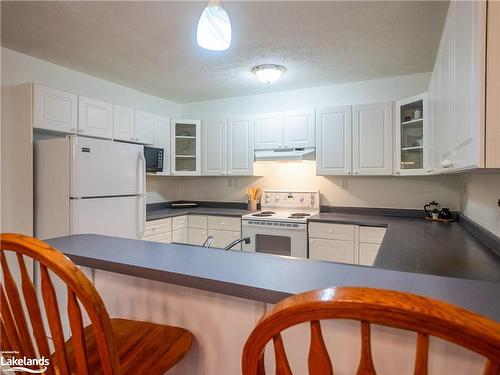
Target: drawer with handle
{"x": 161, "y": 237}
{"x": 157, "y": 226}
{"x": 343, "y": 232}
{"x": 224, "y": 223}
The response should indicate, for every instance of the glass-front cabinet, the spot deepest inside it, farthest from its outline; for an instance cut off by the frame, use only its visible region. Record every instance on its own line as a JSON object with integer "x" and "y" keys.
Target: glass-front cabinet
{"x": 412, "y": 136}
{"x": 186, "y": 147}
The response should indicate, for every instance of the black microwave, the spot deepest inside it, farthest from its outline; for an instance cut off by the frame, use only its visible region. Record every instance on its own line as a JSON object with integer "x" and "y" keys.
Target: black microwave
{"x": 154, "y": 159}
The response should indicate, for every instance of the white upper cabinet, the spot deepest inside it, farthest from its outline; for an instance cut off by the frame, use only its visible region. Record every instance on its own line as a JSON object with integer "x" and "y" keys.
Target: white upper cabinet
{"x": 240, "y": 149}
{"x": 298, "y": 129}
{"x": 411, "y": 150}
{"x": 468, "y": 82}
{"x": 214, "y": 149}
{"x": 456, "y": 90}
{"x": 440, "y": 94}
{"x": 54, "y": 110}
{"x": 293, "y": 129}
{"x": 162, "y": 140}
{"x": 333, "y": 141}
{"x": 269, "y": 131}
{"x": 144, "y": 127}
{"x": 185, "y": 147}
{"x": 372, "y": 139}
{"x": 227, "y": 146}
{"x": 95, "y": 118}
{"x": 123, "y": 123}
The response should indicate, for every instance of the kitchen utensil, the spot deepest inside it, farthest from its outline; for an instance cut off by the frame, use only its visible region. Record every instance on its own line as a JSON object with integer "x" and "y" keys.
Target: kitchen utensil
{"x": 435, "y": 214}
{"x": 430, "y": 207}
{"x": 445, "y": 214}
{"x": 252, "y": 204}
{"x": 253, "y": 194}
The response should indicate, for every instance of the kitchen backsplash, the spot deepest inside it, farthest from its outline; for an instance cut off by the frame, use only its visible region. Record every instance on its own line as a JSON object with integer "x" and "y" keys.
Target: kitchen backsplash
{"x": 394, "y": 192}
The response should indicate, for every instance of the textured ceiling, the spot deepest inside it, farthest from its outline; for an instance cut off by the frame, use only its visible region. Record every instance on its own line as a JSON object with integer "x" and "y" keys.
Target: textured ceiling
{"x": 151, "y": 46}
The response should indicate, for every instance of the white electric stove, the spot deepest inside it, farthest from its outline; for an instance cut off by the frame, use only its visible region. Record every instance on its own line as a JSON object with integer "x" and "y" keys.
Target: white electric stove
{"x": 281, "y": 226}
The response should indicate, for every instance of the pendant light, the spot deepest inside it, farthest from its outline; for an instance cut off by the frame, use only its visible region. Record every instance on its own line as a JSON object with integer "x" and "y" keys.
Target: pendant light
{"x": 268, "y": 73}
{"x": 214, "y": 28}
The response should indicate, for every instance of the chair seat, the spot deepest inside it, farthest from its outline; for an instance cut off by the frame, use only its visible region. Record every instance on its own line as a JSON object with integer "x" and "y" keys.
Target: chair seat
{"x": 143, "y": 347}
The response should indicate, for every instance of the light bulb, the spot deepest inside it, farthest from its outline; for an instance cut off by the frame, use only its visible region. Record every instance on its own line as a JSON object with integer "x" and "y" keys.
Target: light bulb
{"x": 214, "y": 28}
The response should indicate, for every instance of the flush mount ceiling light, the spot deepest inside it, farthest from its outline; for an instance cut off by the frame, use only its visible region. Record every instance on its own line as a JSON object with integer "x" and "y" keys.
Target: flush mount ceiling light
{"x": 214, "y": 28}
{"x": 268, "y": 73}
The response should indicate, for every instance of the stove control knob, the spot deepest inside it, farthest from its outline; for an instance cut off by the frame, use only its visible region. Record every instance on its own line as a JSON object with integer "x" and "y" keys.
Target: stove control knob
{"x": 277, "y": 198}
{"x": 302, "y": 198}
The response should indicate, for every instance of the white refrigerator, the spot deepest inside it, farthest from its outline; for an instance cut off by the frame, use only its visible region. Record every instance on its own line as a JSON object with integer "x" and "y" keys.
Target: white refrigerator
{"x": 87, "y": 185}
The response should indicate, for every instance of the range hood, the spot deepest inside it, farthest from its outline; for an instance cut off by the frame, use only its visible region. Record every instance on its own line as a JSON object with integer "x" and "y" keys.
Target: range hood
{"x": 285, "y": 154}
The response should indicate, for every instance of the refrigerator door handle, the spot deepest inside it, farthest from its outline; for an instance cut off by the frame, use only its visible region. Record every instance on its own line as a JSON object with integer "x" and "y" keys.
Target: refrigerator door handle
{"x": 142, "y": 196}
{"x": 142, "y": 173}
{"x": 141, "y": 217}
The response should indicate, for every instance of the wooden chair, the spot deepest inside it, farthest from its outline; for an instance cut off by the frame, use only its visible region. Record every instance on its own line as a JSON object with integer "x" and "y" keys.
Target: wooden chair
{"x": 425, "y": 316}
{"x": 107, "y": 346}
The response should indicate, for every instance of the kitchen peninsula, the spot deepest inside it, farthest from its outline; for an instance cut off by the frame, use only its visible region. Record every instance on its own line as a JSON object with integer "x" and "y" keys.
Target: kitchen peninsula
{"x": 221, "y": 294}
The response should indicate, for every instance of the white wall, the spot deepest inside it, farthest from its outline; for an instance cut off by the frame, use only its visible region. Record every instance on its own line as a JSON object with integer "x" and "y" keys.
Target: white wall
{"x": 395, "y": 192}
{"x": 18, "y": 68}
{"x": 372, "y": 91}
{"x": 479, "y": 202}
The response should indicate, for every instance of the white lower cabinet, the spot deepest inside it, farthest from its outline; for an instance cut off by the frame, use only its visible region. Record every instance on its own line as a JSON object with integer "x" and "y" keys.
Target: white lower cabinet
{"x": 222, "y": 238}
{"x": 367, "y": 253}
{"x": 197, "y": 236}
{"x": 158, "y": 230}
{"x": 180, "y": 235}
{"x": 344, "y": 243}
{"x": 331, "y": 250}
{"x": 223, "y": 229}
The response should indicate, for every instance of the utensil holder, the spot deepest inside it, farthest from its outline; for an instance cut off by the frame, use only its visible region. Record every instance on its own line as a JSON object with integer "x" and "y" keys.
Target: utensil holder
{"x": 252, "y": 205}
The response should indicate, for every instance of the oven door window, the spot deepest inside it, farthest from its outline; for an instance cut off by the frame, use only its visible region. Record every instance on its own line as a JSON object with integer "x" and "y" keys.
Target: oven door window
{"x": 271, "y": 244}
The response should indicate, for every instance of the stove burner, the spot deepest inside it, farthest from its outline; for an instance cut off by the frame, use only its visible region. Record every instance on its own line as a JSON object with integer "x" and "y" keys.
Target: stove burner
{"x": 299, "y": 215}
{"x": 267, "y": 212}
{"x": 260, "y": 214}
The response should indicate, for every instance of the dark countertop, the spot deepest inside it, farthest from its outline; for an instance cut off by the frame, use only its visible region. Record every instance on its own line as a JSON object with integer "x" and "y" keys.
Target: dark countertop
{"x": 163, "y": 213}
{"x": 417, "y": 245}
{"x": 262, "y": 277}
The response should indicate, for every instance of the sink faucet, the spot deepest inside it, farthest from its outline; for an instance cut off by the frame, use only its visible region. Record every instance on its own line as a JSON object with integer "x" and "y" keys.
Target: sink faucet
{"x": 234, "y": 243}
{"x": 208, "y": 242}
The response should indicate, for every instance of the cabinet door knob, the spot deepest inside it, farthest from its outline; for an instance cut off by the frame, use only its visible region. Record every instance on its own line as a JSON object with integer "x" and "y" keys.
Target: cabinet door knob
{"x": 229, "y": 172}
{"x": 397, "y": 172}
{"x": 348, "y": 171}
{"x": 73, "y": 129}
{"x": 355, "y": 172}
{"x": 223, "y": 173}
